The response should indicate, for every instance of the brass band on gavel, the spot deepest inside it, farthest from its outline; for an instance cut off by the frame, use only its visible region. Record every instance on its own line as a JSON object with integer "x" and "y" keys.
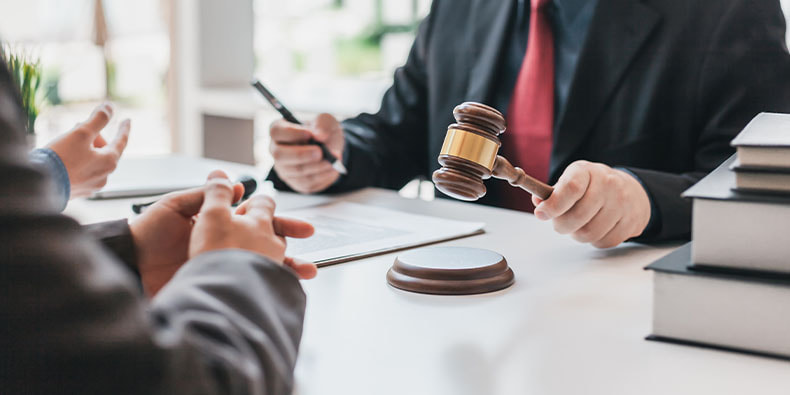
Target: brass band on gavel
{"x": 471, "y": 146}
{"x": 469, "y": 156}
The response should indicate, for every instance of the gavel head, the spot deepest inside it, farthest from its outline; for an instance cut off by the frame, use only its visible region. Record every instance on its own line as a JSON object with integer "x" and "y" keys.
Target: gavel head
{"x": 469, "y": 151}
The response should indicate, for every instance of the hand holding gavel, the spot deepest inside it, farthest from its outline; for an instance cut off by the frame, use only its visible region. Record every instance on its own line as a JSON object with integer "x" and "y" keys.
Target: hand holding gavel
{"x": 593, "y": 202}
{"x": 469, "y": 156}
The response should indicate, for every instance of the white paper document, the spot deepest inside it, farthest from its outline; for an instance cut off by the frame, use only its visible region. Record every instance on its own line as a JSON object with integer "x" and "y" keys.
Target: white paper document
{"x": 347, "y": 231}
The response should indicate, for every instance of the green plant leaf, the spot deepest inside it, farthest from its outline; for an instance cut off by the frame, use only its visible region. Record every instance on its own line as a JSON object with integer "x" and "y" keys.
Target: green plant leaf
{"x": 27, "y": 75}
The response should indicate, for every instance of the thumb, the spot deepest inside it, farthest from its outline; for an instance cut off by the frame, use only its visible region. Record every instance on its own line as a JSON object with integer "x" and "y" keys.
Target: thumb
{"x": 186, "y": 203}
{"x": 304, "y": 270}
{"x": 218, "y": 192}
{"x": 324, "y": 126}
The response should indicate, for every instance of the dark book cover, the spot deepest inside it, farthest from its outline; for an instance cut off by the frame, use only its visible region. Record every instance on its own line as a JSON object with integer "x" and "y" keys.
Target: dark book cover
{"x": 739, "y": 168}
{"x": 679, "y": 262}
{"x": 719, "y": 184}
{"x": 742, "y": 172}
{"x": 682, "y": 342}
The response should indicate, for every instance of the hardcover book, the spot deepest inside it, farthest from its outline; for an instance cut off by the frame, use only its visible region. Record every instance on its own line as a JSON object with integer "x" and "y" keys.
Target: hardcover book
{"x": 720, "y": 309}
{"x": 765, "y": 141}
{"x": 738, "y": 230}
{"x": 761, "y": 179}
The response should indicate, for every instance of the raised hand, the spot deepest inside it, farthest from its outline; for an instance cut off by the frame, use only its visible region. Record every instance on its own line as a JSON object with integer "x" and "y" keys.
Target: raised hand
{"x": 87, "y": 156}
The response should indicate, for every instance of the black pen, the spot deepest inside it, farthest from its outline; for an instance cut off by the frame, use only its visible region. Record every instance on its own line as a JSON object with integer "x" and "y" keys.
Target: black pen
{"x": 337, "y": 164}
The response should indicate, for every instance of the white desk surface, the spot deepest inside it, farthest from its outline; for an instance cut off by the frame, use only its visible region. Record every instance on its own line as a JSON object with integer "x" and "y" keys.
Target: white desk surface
{"x": 573, "y": 323}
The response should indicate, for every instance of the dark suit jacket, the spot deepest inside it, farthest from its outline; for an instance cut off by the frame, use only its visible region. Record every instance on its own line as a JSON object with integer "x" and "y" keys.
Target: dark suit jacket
{"x": 661, "y": 88}
{"x": 72, "y": 319}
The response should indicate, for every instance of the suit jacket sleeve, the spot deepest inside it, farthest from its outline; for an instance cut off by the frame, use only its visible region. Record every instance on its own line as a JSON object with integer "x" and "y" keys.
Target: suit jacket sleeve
{"x": 388, "y": 149}
{"x": 73, "y": 320}
{"x": 745, "y": 71}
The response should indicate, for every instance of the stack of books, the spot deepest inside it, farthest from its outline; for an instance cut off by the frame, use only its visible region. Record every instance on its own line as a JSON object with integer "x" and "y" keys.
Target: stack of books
{"x": 763, "y": 147}
{"x": 730, "y": 287}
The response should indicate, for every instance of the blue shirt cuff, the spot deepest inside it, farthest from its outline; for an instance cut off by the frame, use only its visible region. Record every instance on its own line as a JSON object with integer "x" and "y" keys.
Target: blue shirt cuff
{"x": 50, "y": 162}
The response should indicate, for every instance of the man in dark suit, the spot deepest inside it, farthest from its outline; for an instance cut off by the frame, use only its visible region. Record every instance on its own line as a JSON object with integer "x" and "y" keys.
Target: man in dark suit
{"x": 228, "y": 318}
{"x": 621, "y": 104}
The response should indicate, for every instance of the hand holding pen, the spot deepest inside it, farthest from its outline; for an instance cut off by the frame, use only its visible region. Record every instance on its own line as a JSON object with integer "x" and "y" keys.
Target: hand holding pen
{"x": 306, "y": 157}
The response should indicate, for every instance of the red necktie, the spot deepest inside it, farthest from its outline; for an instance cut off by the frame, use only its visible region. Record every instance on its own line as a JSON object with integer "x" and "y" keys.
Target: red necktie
{"x": 528, "y": 139}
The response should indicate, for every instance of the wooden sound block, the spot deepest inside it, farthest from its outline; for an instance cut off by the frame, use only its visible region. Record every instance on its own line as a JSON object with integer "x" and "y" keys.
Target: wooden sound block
{"x": 450, "y": 271}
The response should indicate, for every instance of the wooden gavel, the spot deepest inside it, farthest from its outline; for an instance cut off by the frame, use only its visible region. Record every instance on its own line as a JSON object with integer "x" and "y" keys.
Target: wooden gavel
{"x": 469, "y": 156}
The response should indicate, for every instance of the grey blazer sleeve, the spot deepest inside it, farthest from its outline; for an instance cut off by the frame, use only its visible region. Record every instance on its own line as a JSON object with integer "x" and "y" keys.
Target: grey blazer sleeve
{"x": 73, "y": 321}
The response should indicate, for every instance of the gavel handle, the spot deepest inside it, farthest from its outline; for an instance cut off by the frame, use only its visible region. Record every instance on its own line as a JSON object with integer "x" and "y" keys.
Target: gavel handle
{"x": 503, "y": 170}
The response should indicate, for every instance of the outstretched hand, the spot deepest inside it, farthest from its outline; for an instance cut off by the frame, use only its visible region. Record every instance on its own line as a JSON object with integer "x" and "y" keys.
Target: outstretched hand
{"x": 87, "y": 156}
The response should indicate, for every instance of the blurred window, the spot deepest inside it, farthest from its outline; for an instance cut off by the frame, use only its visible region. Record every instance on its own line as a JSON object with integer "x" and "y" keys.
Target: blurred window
{"x": 79, "y": 73}
{"x": 333, "y": 55}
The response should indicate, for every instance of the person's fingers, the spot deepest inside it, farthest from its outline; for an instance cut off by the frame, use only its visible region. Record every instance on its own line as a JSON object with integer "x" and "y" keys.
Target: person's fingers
{"x": 241, "y": 209}
{"x": 599, "y": 226}
{"x": 121, "y": 139}
{"x": 261, "y": 207}
{"x": 238, "y": 192}
{"x": 324, "y": 126}
{"x": 569, "y": 189}
{"x": 536, "y": 201}
{"x": 582, "y": 212}
{"x": 305, "y": 169}
{"x": 238, "y": 188}
{"x": 618, "y": 234}
{"x": 96, "y": 183}
{"x": 99, "y": 142}
{"x": 218, "y": 194}
{"x": 98, "y": 119}
{"x": 284, "y": 132}
{"x": 305, "y": 270}
{"x": 289, "y": 227}
{"x": 295, "y": 154}
{"x": 217, "y": 174}
{"x": 186, "y": 203}
{"x": 575, "y": 219}
{"x": 313, "y": 183}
